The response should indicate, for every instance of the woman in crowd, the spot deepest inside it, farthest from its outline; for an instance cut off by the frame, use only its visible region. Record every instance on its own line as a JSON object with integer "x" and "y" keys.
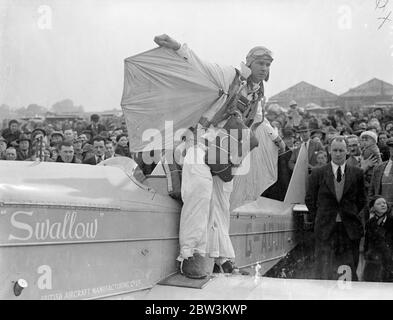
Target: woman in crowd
{"x": 378, "y": 243}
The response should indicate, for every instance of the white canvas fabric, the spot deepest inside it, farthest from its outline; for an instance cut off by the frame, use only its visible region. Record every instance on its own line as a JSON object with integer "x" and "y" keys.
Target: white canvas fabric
{"x": 163, "y": 85}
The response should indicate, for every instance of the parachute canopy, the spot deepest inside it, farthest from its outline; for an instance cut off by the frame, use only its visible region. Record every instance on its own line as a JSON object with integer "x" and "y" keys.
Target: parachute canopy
{"x": 160, "y": 86}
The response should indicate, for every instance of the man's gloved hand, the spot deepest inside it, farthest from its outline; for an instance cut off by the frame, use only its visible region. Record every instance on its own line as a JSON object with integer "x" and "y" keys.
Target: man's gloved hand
{"x": 166, "y": 41}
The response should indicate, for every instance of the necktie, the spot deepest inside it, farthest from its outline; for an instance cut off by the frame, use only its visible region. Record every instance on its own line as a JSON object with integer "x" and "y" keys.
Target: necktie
{"x": 99, "y": 159}
{"x": 339, "y": 174}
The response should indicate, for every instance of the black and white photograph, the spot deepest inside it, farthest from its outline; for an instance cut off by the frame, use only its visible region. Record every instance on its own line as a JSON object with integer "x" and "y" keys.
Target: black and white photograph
{"x": 196, "y": 150}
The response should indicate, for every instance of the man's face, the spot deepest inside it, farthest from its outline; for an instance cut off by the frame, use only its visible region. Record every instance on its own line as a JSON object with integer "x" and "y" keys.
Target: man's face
{"x": 353, "y": 147}
{"x": 10, "y": 154}
{"x": 259, "y": 69}
{"x": 67, "y": 153}
{"x": 69, "y": 135}
{"x": 289, "y": 141}
{"x": 304, "y": 135}
{"x": 382, "y": 138}
{"x": 338, "y": 152}
{"x": 99, "y": 148}
{"x": 14, "y": 127}
{"x": 109, "y": 148}
{"x": 77, "y": 145}
{"x": 24, "y": 145}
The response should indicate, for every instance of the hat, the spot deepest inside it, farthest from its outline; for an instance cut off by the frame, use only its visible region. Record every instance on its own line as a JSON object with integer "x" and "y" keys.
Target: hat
{"x": 258, "y": 52}
{"x": 293, "y": 103}
{"x": 56, "y": 133}
{"x": 302, "y": 128}
{"x": 371, "y": 134}
{"x": 389, "y": 142}
{"x": 23, "y": 137}
{"x": 287, "y": 133}
{"x": 36, "y": 130}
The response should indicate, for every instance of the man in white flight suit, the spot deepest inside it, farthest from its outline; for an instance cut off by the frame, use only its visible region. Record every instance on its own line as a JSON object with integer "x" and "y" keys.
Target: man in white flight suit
{"x": 205, "y": 216}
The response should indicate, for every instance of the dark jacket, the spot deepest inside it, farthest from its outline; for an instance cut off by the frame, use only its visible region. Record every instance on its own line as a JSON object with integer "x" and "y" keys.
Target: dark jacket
{"x": 323, "y": 206}
{"x": 9, "y": 136}
{"x": 376, "y": 180}
{"x": 96, "y": 129}
{"x": 123, "y": 151}
{"x": 74, "y": 160}
{"x": 378, "y": 247}
{"x": 92, "y": 160}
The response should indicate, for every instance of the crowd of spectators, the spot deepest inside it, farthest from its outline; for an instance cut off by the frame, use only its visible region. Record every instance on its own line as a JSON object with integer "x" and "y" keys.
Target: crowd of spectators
{"x": 368, "y": 146}
{"x": 366, "y": 132}
{"x": 69, "y": 142}
{"x": 365, "y": 141}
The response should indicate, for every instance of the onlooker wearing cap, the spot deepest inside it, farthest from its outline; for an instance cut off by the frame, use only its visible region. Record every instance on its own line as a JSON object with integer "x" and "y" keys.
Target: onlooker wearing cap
{"x": 311, "y": 146}
{"x": 3, "y": 147}
{"x": 382, "y": 177}
{"x": 24, "y": 150}
{"x": 56, "y": 137}
{"x": 378, "y": 242}
{"x": 37, "y": 133}
{"x": 38, "y": 138}
{"x": 294, "y": 117}
{"x": 95, "y": 127}
{"x": 12, "y": 133}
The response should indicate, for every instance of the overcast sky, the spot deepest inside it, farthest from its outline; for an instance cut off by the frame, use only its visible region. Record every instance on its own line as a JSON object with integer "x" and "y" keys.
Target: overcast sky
{"x": 56, "y": 49}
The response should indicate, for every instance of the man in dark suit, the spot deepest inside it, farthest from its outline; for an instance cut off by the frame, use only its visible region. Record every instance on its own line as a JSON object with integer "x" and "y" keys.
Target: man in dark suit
{"x": 311, "y": 146}
{"x": 95, "y": 127}
{"x": 99, "y": 151}
{"x": 382, "y": 177}
{"x": 334, "y": 198}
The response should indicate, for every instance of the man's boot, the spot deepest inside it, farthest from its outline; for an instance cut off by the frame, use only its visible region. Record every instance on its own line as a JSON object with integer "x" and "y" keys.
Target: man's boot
{"x": 193, "y": 267}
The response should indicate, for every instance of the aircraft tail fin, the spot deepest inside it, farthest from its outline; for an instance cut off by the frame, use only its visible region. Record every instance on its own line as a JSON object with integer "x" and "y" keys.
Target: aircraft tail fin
{"x": 297, "y": 186}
